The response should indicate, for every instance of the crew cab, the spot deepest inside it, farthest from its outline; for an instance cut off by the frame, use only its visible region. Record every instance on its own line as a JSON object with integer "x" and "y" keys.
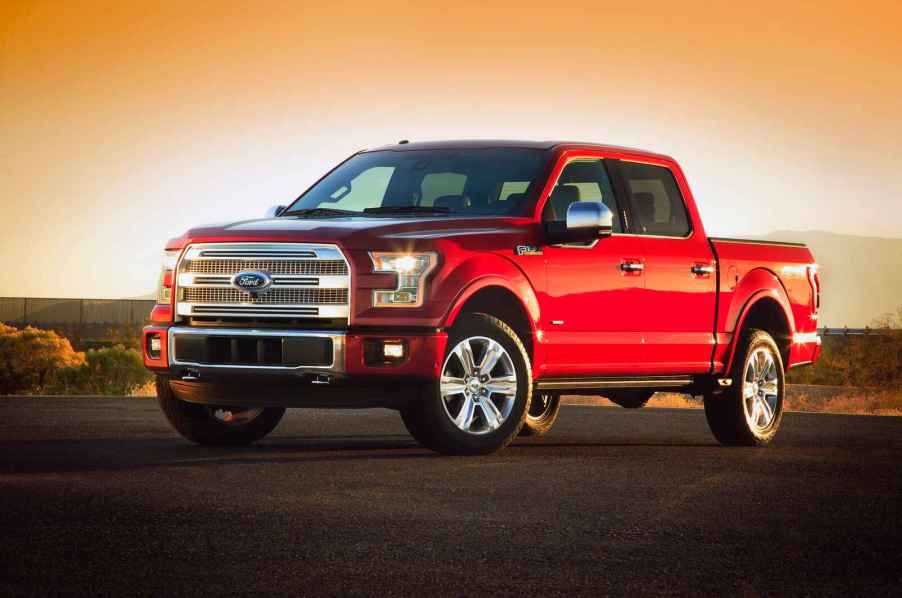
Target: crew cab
{"x": 468, "y": 285}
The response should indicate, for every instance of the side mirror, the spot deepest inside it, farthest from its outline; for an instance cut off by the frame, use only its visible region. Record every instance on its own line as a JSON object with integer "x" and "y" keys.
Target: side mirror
{"x": 275, "y": 211}
{"x": 586, "y": 221}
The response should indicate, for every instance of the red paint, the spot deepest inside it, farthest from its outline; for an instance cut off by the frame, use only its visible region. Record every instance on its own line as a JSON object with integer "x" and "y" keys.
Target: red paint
{"x": 587, "y": 316}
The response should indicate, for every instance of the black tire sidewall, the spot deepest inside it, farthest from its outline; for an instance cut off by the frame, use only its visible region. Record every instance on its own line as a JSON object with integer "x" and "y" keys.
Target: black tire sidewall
{"x": 542, "y": 423}
{"x": 196, "y": 422}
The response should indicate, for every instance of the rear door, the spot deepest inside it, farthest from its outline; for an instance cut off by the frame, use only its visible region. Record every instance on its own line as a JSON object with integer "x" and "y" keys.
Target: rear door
{"x": 590, "y": 322}
{"x": 678, "y": 300}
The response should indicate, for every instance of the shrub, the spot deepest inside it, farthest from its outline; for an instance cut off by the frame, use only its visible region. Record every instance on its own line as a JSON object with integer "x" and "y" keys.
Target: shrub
{"x": 30, "y": 357}
{"x": 873, "y": 360}
{"x": 111, "y": 371}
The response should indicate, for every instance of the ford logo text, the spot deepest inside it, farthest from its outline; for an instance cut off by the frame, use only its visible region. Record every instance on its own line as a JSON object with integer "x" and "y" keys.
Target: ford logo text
{"x": 252, "y": 282}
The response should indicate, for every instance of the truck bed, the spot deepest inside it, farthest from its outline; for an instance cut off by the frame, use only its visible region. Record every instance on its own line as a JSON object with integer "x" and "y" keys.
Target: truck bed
{"x": 746, "y": 263}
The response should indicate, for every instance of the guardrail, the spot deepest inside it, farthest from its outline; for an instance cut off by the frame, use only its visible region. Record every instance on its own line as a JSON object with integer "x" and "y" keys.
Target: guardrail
{"x": 854, "y": 331}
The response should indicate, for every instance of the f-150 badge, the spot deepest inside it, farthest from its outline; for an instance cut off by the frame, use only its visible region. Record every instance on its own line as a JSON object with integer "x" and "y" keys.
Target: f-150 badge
{"x": 527, "y": 250}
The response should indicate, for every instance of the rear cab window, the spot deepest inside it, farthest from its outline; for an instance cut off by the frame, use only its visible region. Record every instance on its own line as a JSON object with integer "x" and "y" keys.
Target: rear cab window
{"x": 657, "y": 207}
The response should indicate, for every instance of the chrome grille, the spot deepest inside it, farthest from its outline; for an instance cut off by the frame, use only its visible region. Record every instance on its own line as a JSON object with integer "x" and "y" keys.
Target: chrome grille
{"x": 275, "y": 267}
{"x": 271, "y": 296}
{"x": 308, "y": 280}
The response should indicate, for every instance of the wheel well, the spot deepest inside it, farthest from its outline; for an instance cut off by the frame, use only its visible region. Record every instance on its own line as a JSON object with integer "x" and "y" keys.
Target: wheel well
{"x": 506, "y": 306}
{"x": 766, "y": 314}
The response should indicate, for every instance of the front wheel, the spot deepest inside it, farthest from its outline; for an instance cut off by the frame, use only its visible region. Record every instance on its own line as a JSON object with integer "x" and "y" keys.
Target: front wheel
{"x": 205, "y": 424}
{"x": 480, "y": 401}
{"x": 749, "y": 412}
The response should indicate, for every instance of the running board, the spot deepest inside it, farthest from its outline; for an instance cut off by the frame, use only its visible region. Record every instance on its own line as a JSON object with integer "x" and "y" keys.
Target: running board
{"x": 616, "y": 383}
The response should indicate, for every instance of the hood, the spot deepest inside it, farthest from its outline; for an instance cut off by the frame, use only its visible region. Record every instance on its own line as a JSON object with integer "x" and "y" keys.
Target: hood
{"x": 355, "y": 232}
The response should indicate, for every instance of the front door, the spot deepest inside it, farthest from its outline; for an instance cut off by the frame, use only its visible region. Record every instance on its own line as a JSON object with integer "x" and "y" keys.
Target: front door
{"x": 591, "y": 322}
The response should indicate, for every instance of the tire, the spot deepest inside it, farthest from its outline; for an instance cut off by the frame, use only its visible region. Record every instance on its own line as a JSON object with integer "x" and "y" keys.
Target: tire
{"x": 631, "y": 399}
{"x": 543, "y": 411}
{"x": 486, "y": 421}
{"x": 733, "y": 416}
{"x": 204, "y": 424}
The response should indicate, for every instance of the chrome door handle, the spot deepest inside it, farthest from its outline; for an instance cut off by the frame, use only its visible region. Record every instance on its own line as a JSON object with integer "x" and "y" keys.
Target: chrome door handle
{"x": 632, "y": 266}
{"x": 702, "y": 269}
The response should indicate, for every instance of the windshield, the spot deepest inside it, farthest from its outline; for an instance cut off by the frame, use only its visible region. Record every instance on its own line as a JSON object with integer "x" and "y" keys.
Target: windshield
{"x": 496, "y": 182}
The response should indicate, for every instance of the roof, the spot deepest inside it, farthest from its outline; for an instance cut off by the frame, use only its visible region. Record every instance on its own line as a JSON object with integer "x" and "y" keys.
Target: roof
{"x": 505, "y": 143}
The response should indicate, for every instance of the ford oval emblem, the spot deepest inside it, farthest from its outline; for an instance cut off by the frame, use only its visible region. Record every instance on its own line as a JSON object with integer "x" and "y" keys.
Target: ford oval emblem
{"x": 252, "y": 282}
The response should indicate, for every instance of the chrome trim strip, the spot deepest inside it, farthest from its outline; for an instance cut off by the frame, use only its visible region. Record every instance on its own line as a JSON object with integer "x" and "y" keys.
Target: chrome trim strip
{"x": 286, "y": 281}
{"x": 252, "y": 310}
{"x": 575, "y": 383}
{"x": 256, "y": 251}
{"x": 338, "y": 348}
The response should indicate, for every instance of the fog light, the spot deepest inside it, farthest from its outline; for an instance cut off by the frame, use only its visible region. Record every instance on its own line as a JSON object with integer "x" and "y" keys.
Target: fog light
{"x": 378, "y": 351}
{"x": 154, "y": 346}
{"x": 393, "y": 350}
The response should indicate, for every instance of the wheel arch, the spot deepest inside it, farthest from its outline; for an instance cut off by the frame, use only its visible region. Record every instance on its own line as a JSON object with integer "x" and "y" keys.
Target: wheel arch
{"x": 515, "y": 304}
{"x": 765, "y": 308}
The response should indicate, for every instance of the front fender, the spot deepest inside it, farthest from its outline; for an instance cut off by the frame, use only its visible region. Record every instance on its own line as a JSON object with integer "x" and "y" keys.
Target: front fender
{"x": 479, "y": 273}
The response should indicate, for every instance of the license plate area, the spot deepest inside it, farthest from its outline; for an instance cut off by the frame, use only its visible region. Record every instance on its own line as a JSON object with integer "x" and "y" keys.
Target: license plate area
{"x": 254, "y": 350}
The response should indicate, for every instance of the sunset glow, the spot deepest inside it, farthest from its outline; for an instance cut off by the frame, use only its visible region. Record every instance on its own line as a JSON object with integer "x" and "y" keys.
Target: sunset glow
{"x": 122, "y": 124}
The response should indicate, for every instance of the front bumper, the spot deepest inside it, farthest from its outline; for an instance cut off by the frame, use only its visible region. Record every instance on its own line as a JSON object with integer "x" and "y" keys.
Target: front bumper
{"x": 243, "y": 362}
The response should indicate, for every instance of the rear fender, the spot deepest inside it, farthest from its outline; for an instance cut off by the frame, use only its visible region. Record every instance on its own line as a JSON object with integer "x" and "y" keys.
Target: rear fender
{"x": 758, "y": 285}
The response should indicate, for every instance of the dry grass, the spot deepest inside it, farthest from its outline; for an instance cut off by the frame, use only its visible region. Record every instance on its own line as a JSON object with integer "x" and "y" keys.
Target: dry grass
{"x": 661, "y": 399}
{"x": 799, "y": 397}
{"x": 145, "y": 390}
{"x": 857, "y": 401}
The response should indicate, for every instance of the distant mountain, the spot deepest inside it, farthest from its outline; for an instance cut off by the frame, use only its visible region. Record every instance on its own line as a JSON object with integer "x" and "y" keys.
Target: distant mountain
{"x": 861, "y": 276}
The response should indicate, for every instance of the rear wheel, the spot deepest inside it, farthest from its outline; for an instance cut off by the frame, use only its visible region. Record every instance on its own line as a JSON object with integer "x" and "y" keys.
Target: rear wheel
{"x": 543, "y": 412}
{"x": 480, "y": 401}
{"x": 750, "y": 411}
{"x": 222, "y": 425}
{"x": 631, "y": 399}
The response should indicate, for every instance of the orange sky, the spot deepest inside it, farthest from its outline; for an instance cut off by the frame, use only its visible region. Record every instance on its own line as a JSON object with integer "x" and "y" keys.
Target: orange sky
{"x": 123, "y": 123}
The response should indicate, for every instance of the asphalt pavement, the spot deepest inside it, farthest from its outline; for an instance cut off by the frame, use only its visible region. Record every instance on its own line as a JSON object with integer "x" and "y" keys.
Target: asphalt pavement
{"x": 100, "y": 497}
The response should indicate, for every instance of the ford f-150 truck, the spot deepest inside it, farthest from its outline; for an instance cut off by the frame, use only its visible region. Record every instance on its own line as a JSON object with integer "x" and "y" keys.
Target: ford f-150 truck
{"x": 469, "y": 285}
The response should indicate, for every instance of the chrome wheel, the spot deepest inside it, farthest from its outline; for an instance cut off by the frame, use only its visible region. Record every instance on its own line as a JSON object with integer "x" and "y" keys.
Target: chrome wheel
{"x": 760, "y": 390}
{"x": 478, "y": 385}
{"x": 234, "y": 417}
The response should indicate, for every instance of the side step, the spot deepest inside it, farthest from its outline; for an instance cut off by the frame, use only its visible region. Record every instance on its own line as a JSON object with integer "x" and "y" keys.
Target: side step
{"x": 616, "y": 383}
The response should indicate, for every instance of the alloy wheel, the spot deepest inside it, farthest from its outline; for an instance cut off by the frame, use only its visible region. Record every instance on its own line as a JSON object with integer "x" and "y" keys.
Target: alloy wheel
{"x": 478, "y": 385}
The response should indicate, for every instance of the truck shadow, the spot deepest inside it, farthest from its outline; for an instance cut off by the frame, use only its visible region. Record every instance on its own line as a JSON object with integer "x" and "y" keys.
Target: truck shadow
{"x": 91, "y": 455}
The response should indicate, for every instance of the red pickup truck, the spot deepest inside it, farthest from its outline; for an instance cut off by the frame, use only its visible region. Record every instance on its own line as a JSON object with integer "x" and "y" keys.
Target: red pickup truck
{"x": 470, "y": 284}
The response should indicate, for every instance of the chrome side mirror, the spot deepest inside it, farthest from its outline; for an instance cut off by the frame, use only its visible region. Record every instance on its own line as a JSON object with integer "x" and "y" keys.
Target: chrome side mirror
{"x": 275, "y": 211}
{"x": 589, "y": 220}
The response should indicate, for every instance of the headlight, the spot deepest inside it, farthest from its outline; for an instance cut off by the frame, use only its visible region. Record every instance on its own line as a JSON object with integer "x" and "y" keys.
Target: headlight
{"x": 411, "y": 268}
{"x": 164, "y": 287}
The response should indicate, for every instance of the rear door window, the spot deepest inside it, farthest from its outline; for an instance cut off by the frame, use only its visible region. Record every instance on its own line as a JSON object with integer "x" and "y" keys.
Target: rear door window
{"x": 656, "y": 203}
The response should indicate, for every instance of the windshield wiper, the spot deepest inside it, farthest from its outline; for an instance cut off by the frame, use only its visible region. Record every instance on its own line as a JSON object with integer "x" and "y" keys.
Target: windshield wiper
{"x": 406, "y": 210}
{"x": 319, "y": 212}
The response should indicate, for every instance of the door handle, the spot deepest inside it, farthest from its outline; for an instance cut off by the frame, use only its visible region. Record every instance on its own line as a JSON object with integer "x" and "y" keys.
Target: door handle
{"x": 632, "y": 266}
{"x": 702, "y": 269}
